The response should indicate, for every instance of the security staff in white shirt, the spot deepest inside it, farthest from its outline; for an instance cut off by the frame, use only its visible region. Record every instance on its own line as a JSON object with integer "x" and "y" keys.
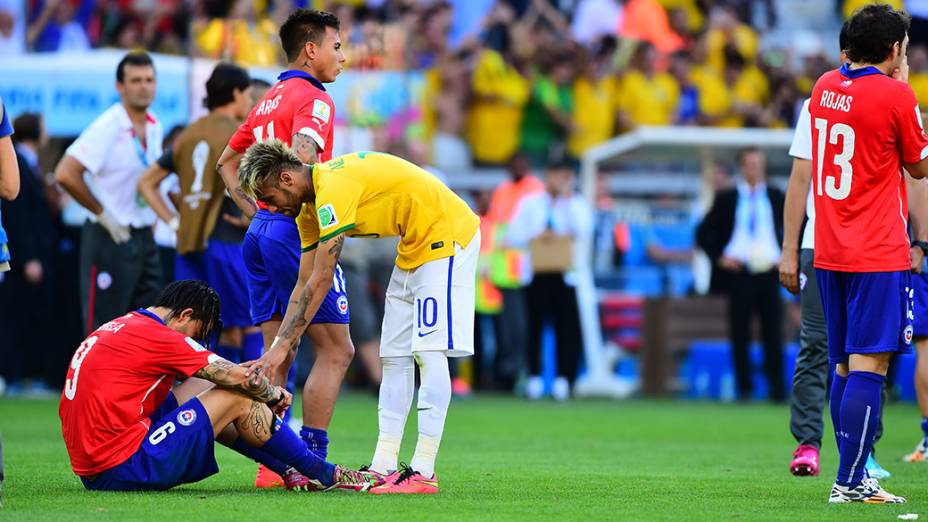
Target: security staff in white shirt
{"x": 119, "y": 264}
{"x": 558, "y": 211}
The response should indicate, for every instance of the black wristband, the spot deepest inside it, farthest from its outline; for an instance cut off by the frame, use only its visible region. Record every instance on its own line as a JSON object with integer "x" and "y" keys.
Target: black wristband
{"x": 922, "y": 245}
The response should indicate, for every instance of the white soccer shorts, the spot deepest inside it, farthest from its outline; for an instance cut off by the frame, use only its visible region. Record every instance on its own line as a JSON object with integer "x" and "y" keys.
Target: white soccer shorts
{"x": 431, "y": 308}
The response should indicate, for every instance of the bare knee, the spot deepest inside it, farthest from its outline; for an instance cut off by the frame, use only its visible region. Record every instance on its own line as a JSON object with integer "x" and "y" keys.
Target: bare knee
{"x": 870, "y": 362}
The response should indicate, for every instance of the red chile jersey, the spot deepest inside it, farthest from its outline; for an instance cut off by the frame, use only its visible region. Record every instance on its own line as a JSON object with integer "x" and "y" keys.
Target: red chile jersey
{"x": 296, "y": 104}
{"x": 865, "y": 126}
{"x": 118, "y": 377}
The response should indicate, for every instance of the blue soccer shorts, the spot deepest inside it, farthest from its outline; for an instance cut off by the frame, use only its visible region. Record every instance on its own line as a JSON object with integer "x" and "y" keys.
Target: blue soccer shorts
{"x": 868, "y": 312}
{"x": 178, "y": 449}
{"x": 271, "y": 253}
{"x": 221, "y": 267}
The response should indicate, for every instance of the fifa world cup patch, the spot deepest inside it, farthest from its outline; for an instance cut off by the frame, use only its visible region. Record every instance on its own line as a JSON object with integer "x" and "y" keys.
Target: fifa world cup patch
{"x": 321, "y": 111}
{"x": 187, "y": 417}
{"x": 327, "y": 217}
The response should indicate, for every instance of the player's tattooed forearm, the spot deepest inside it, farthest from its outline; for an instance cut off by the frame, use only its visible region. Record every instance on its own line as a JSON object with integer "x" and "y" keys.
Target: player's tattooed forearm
{"x": 245, "y": 198}
{"x": 304, "y": 147}
{"x": 217, "y": 372}
{"x": 258, "y": 420}
{"x": 291, "y": 330}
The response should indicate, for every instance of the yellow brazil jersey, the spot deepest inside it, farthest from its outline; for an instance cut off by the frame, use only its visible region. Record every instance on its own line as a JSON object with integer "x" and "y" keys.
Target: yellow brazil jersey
{"x": 372, "y": 194}
{"x": 649, "y": 101}
{"x": 593, "y": 115}
{"x": 494, "y": 118}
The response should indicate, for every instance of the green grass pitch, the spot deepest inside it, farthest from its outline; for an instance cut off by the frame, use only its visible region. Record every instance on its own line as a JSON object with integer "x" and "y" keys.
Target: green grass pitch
{"x": 501, "y": 459}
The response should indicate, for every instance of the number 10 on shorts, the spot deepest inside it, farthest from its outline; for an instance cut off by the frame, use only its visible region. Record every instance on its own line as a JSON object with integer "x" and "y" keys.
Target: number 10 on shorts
{"x": 426, "y": 314}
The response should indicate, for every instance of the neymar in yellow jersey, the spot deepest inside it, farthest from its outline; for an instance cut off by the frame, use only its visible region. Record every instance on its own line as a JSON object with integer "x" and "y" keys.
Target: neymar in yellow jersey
{"x": 429, "y": 313}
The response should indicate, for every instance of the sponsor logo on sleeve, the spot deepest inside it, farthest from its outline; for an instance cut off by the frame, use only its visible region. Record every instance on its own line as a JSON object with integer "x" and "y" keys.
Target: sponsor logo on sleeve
{"x": 327, "y": 217}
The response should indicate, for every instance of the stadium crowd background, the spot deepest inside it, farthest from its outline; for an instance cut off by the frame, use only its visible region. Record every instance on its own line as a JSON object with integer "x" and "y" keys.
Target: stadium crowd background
{"x": 540, "y": 80}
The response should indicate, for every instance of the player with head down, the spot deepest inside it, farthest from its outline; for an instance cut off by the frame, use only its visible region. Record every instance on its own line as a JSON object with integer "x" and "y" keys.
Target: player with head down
{"x": 125, "y": 429}
{"x": 866, "y": 126}
{"x": 429, "y": 314}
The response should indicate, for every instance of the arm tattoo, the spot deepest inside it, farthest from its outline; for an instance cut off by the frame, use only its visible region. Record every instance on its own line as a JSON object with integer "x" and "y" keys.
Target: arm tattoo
{"x": 336, "y": 248}
{"x": 304, "y": 147}
{"x": 219, "y": 168}
{"x": 220, "y": 373}
{"x": 297, "y": 323}
{"x": 244, "y": 197}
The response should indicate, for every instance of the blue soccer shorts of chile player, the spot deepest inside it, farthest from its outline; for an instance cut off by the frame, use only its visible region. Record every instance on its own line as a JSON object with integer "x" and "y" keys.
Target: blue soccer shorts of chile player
{"x": 867, "y": 312}
{"x": 272, "y": 257}
{"x": 179, "y": 448}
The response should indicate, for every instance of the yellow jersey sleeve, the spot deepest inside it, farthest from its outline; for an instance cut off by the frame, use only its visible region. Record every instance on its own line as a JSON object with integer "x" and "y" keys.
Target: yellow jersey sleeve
{"x": 337, "y": 202}
{"x": 309, "y": 228}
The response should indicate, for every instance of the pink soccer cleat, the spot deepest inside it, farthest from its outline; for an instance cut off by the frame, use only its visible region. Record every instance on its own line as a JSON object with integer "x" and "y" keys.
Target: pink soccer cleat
{"x": 296, "y": 481}
{"x": 407, "y": 481}
{"x": 375, "y": 478}
{"x": 805, "y": 461}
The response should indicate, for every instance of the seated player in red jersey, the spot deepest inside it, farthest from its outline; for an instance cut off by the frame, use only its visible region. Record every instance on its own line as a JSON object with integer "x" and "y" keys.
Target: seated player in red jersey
{"x": 126, "y": 429}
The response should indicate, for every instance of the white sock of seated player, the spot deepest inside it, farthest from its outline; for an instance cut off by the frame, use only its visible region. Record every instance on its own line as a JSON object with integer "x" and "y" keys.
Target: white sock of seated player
{"x": 396, "y": 390}
{"x": 434, "y": 399}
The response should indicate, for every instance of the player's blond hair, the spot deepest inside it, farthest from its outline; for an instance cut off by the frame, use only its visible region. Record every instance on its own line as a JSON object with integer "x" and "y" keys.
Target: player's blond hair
{"x": 263, "y": 163}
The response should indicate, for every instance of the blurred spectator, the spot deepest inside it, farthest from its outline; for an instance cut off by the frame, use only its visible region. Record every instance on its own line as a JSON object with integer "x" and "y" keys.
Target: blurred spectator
{"x": 59, "y": 25}
{"x": 170, "y": 192}
{"x": 259, "y": 88}
{"x": 546, "y": 120}
{"x": 28, "y": 285}
{"x": 489, "y": 300}
{"x": 647, "y": 20}
{"x": 444, "y": 112}
{"x": 741, "y": 235}
{"x": 726, "y": 30}
{"x": 12, "y": 28}
{"x": 668, "y": 238}
{"x": 688, "y": 107}
{"x": 646, "y": 96}
{"x": 558, "y": 217}
{"x": 509, "y": 270}
{"x": 499, "y": 93}
{"x": 594, "y": 95}
{"x": 237, "y": 33}
{"x": 9, "y": 178}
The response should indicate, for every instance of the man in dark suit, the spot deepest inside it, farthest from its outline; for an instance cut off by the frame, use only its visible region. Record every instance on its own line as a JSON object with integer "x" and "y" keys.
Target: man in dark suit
{"x": 27, "y": 286}
{"x": 742, "y": 234}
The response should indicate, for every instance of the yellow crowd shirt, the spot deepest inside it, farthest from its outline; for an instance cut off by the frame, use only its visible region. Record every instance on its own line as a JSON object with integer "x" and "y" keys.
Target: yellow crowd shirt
{"x": 372, "y": 194}
{"x": 594, "y": 113}
{"x": 494, "y": 118}
{"x": 649, "y": 101}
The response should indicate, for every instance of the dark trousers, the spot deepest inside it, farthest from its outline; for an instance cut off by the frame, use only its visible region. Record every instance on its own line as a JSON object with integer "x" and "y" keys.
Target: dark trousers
{"x": 810, "y": 378}
{"x": 811, "y": 386}
{"x": 513, "y": 337}
{"x": 116, "y": 279}
{"x": 26, "y": 347}
{"x": 751, "y": 294}
{"x": 550, "y": 298}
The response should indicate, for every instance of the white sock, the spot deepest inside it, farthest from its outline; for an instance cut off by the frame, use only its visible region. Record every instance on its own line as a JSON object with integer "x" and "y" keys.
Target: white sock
{"x": 434, "y": 399}
{"x": 396, "y": 391}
